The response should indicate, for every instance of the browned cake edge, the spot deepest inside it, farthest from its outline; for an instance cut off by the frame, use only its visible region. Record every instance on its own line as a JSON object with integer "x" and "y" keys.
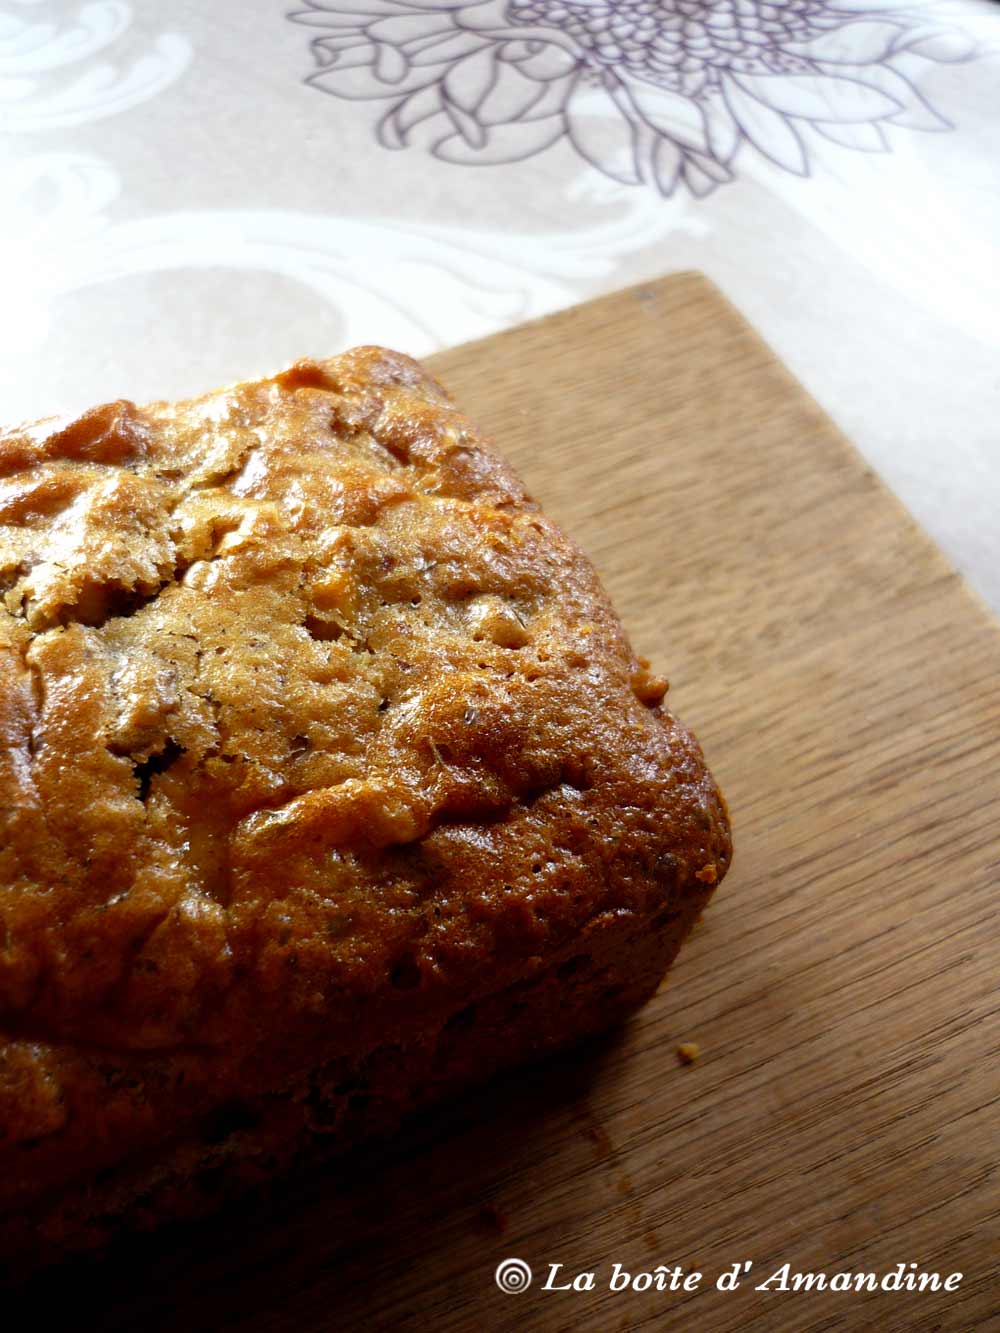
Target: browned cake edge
{"x": 611, "y": 970}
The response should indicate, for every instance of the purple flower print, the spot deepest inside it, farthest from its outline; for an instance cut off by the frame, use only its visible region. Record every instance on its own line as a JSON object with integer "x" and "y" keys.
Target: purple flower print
{"x": 663, "y": 92}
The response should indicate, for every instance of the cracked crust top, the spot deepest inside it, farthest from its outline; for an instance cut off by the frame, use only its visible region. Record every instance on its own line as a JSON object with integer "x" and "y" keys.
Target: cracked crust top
{"x": 310, "y": 724}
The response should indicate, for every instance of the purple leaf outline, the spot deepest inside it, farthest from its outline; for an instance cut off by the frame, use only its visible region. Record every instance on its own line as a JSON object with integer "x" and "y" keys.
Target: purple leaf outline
{"x": 664, "y": 93}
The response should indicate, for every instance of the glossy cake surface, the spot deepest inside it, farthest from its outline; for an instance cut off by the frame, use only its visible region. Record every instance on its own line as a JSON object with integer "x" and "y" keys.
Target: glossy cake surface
{"x": 314, "y": 732}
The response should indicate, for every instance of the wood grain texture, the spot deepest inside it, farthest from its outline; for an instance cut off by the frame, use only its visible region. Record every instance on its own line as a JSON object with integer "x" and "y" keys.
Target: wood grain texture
{"x": 842, "y": 987}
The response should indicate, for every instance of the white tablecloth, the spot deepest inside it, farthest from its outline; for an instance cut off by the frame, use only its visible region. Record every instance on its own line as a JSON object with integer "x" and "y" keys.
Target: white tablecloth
{"x": 194, "y": 193}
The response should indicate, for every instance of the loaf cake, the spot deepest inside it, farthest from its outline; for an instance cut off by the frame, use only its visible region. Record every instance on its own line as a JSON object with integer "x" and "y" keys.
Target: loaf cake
{"x": 329, "y": 785}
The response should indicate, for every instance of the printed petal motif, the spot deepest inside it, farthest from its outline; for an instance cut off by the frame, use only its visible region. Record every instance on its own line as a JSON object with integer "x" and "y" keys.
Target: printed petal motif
{"x": 506, "y": 143}
{"x": 698, "y": 181}
{"x": 330, "y": 50}
{"x": 710, "y": 167}
{"x": 545, "y": 63}
{"x": 675, "y": 117}
{"x": 469, "y": 80}
{"x": 940, "y": 44}
{"x": 403, "y": 28}
{"x": 468, "y": 126}
{"x": 723, "y": 130}
{"x": 855, "y": 43}
{"x": 512, "y": 96}
{"x": 819, "y": 96}
{"x": 555, "y": 95}
{"x": 452, "y": 47}
{"x": 862, "y": 137}
{"x": 672, "y": 94}
{"x": 915, "y": 112}
{"x": 390, "y": 65}
{"x": 768, "y": 131}
{"x": 667, "y": 162}
{"x": 395, "y": 126}
{"x": 358, "y": 83}
{"x": 607, "y": 142}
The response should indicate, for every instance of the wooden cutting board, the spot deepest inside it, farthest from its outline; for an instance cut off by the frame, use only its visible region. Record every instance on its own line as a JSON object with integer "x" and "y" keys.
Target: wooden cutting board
{"x": 842, "y": 987}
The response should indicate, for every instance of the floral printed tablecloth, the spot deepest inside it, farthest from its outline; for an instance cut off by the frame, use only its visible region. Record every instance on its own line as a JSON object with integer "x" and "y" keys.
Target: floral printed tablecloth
{"x": 194, "y": 192}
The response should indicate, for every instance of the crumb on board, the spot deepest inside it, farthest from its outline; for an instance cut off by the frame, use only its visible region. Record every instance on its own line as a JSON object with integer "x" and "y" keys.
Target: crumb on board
{"x": 688, "y": 1052}
{"x": 625, "y": 1185}
{"x": 598, "y": 1135}
{"x": 491, "y": 1218}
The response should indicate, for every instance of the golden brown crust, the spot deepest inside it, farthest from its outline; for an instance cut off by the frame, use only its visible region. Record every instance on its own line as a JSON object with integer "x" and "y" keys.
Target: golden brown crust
{"x": 313, "y": 731}
{"x": 250, "y": 1143}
